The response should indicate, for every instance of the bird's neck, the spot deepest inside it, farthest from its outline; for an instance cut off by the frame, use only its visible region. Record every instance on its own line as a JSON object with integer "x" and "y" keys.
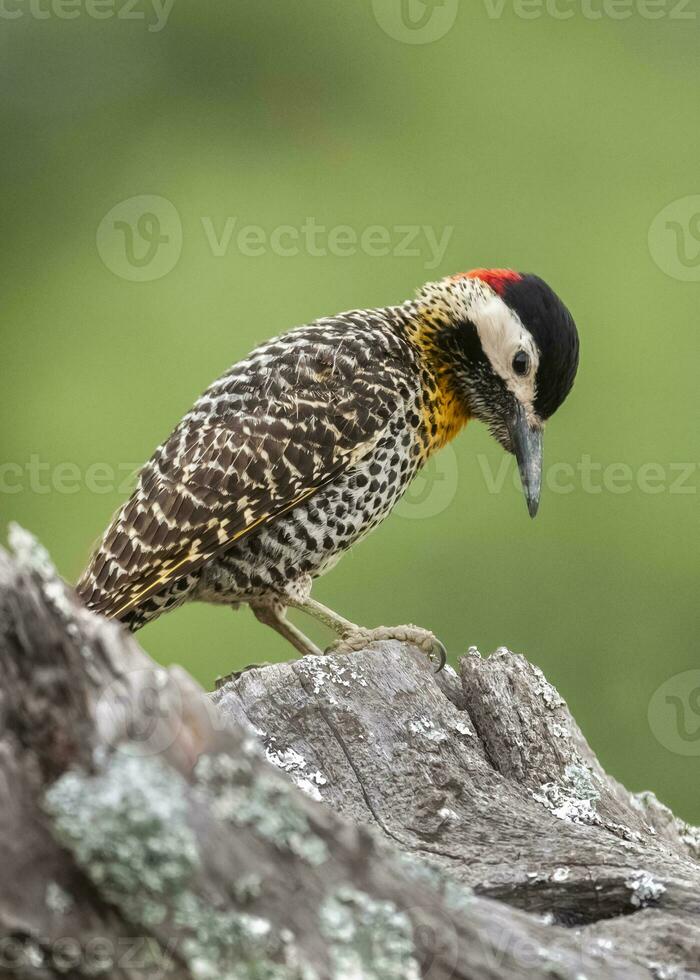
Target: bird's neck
{"x": 445, "y": 410}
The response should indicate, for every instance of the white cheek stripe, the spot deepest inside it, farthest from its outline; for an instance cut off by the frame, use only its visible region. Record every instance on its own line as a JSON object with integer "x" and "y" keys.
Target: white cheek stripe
{"x": 502, "y": 334}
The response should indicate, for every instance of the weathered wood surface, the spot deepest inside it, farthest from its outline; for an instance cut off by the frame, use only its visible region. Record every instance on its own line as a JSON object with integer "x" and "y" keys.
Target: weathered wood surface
{"x": 452, "y": 825}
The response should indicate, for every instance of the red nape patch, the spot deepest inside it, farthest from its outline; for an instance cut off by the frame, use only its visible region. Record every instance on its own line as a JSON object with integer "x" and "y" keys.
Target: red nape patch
{"x": 497, "y": 279}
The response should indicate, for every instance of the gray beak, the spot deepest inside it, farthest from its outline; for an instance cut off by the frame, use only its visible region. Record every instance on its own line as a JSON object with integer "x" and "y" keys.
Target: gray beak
{"x": 527, "y": 446}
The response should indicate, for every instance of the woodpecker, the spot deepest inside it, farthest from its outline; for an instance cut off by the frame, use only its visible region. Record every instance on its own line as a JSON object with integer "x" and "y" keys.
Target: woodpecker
{"x": 298, "y": 451}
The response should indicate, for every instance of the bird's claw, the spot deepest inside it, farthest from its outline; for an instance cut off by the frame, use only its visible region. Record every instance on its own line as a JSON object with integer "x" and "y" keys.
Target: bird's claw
{"x": 440, "y": 651}
{"x": 222, "y": 681}
{"x": 426, "y": 641}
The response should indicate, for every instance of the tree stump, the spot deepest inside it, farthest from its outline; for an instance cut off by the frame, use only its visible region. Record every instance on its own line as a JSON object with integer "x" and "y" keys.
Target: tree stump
{"x": 344, "y": 817}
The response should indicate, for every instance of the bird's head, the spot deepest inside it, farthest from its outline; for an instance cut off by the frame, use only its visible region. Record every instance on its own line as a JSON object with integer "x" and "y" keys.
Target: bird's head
{"x": 510, "y": 347}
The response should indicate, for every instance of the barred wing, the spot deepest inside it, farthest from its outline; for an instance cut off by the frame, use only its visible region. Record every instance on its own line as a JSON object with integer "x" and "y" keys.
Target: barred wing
{"x": 266, "y": 437}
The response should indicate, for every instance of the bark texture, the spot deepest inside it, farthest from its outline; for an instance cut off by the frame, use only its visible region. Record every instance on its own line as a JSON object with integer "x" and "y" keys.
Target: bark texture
{"x": 346, "y": 817}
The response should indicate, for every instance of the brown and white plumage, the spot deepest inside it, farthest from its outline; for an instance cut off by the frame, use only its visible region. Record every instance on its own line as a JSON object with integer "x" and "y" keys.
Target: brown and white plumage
{"x": 292, "y": 456}
{"x": 274, "y": 430}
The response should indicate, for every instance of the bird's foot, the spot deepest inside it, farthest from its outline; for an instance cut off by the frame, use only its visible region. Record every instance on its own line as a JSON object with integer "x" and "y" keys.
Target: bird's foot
{"x": 222, "y": 681}
{"x": 358, "y": 638}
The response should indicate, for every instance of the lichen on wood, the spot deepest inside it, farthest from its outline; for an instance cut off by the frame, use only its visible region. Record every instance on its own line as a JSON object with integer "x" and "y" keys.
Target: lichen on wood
{"x": 351, "y": 818}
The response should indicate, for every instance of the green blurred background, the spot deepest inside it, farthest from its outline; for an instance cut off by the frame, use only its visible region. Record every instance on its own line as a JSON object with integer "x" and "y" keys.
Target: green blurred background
{"x": 543, "y": 144}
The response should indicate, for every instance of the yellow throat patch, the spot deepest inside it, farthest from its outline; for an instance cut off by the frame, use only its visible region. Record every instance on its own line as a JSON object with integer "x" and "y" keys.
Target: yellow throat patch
{"x": 444, "y": 410}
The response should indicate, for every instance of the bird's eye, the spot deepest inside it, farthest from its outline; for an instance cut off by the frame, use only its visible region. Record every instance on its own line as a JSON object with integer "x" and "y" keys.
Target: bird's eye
{"x": 521, "y": 362}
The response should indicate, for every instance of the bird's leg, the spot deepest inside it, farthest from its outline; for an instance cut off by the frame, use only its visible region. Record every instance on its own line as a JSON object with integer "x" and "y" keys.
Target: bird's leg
{"x": 273, "y": 613}
{"x": 353, "y": 637}
{"x": 333, "y": 621}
